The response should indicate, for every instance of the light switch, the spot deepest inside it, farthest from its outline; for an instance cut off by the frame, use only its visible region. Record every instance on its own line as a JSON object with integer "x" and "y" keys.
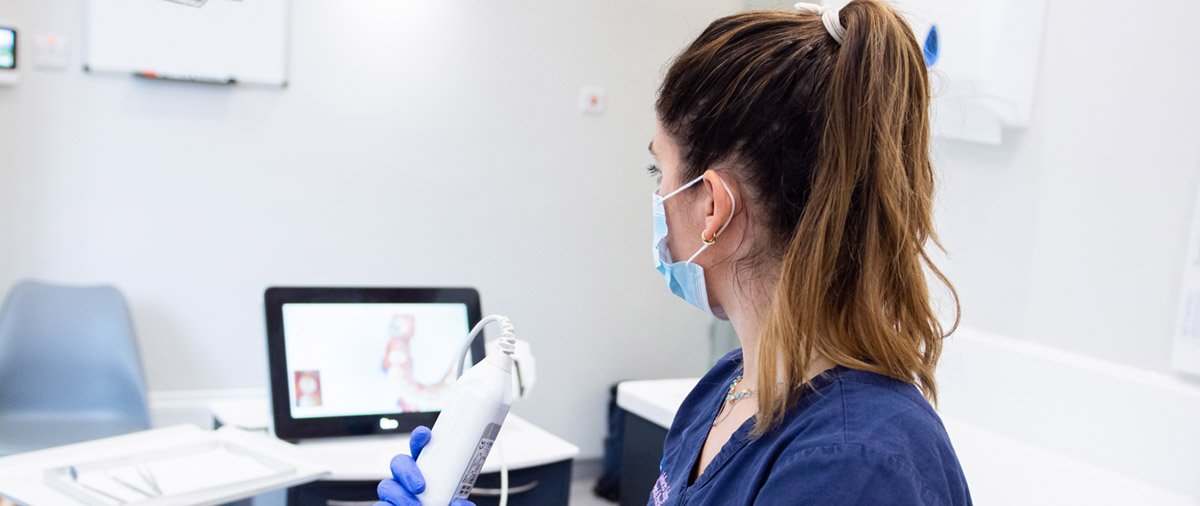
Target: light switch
{"x": 51, "y": 52}
{"x": 591, "y": 100}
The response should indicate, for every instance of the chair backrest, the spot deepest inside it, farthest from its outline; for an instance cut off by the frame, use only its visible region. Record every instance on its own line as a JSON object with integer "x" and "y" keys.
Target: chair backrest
{"x": 70, "y": 350}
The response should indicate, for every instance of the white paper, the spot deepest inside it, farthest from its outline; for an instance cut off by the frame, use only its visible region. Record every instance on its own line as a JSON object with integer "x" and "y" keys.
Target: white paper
{"x": 220, "y": 467}
{"x": 173, "y": 476}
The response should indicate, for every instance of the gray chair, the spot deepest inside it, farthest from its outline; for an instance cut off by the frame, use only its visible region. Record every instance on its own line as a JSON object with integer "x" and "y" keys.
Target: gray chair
{"x": 69, "y": 367}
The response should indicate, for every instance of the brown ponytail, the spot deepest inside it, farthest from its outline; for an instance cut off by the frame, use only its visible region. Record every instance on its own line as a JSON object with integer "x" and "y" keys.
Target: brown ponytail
{"x": 834, "y": 141}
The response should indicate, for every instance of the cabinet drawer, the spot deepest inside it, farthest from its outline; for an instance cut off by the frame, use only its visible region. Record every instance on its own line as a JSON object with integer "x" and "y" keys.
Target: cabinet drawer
{"x": 545, "y": 485}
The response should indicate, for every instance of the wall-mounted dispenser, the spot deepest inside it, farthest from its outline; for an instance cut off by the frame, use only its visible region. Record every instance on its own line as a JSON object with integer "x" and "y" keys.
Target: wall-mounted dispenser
{"x": 984, "y": 57}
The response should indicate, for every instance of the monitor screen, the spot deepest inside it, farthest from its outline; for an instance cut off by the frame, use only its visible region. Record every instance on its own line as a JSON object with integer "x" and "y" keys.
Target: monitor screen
{"x": 354, "y": 359}
{"x": 348, "y": 361}
{"x": 8, "y": 48}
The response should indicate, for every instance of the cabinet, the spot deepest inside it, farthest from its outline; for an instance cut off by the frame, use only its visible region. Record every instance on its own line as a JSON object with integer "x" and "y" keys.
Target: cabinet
{"x": 544, "y": 485}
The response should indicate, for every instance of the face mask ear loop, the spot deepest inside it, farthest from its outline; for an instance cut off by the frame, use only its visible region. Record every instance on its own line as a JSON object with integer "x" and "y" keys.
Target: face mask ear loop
{"x": 733, "y": 208}
{"x": 684, "y": 187}
{"x": 732, "y": 205}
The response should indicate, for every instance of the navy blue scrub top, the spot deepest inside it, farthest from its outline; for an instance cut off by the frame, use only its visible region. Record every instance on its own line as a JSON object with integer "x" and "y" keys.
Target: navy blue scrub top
{"x": 856, "y": 438}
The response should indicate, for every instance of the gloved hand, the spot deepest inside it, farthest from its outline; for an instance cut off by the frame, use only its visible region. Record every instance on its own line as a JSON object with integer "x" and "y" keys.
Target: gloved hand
{"x": 406, "y": 480}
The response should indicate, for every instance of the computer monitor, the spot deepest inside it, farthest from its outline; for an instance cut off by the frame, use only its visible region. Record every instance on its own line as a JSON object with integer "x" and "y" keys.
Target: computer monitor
{"x": 353, "y": 361}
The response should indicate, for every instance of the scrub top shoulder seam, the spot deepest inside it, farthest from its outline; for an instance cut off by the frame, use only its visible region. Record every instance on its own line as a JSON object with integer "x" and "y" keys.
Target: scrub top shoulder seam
{"x": 870, "y": 452}
{"x": 845, "y": 416}
{"x": 900, "y": 387}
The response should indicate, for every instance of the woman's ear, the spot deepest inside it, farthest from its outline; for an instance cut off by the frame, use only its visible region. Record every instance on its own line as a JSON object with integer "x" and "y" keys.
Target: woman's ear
{"x": 722, "y": 206}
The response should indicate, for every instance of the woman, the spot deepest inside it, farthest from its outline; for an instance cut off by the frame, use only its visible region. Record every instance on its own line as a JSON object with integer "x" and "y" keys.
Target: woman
{"x": 795, "y": 201}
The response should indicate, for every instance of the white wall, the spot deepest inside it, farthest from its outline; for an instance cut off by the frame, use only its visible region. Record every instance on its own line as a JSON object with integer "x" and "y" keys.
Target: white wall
{"x": 1073, "y": 232}
{"x": 420, "y": 143}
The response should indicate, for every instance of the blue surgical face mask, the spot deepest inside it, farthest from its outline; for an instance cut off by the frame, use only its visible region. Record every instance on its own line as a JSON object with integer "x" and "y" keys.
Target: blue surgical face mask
{"x": 685, "y": 279}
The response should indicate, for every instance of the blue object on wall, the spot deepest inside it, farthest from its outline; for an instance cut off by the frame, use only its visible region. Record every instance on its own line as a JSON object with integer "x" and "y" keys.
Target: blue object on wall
{"x": 931, "y": 46}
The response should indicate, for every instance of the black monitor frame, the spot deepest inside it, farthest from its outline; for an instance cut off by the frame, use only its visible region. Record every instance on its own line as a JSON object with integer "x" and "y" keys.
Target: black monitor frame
{"x": 293, "y": 429}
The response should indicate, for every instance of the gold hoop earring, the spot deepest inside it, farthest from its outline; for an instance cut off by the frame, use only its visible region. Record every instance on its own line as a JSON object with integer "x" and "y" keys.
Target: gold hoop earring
{"x": 708, "y": 242}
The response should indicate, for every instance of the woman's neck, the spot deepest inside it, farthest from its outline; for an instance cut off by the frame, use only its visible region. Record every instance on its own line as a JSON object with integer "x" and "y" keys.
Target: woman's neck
{"x": 747, "y": 323}
{"x": 748, "y": 318}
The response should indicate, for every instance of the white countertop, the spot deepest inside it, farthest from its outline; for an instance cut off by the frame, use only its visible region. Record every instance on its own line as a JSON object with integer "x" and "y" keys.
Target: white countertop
{"x": 655, "y": 400}
{"x": 366, "y": 458}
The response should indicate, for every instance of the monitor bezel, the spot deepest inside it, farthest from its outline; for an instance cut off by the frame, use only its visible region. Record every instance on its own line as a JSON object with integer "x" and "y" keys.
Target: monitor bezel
{"x": 294, "y": 429}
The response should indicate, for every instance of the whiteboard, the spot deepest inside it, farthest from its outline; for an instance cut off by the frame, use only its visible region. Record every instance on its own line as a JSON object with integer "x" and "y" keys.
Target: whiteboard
{"x": 222, "y": 41}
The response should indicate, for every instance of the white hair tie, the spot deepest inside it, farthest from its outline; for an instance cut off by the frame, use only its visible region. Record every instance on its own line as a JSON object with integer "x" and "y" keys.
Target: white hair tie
{"x": 829, "y": 16}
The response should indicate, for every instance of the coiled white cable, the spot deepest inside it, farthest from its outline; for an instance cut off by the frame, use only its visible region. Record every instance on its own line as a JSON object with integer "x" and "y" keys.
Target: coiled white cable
{"x": 508, "y": 339}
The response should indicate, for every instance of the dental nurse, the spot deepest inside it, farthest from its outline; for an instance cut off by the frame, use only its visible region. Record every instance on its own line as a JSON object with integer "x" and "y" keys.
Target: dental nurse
{"x": 795, "y": 200}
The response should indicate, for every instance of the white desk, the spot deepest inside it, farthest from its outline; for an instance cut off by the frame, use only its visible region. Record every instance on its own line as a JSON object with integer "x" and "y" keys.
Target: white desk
{"x": 359, "y": 459}
{"x": 366, "y": 458}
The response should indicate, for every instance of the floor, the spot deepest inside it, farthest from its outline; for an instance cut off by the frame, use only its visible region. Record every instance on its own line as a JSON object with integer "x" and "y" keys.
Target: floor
{"x": 586, "y": 472}
{"x": 581, "y": 494}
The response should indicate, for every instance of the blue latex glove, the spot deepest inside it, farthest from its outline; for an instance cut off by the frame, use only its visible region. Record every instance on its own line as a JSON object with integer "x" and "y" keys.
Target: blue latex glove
{"x": 406, "y": 480}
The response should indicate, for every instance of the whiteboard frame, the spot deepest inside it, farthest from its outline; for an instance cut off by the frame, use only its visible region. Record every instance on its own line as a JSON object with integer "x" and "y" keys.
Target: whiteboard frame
{"x": 101, "y": 69}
